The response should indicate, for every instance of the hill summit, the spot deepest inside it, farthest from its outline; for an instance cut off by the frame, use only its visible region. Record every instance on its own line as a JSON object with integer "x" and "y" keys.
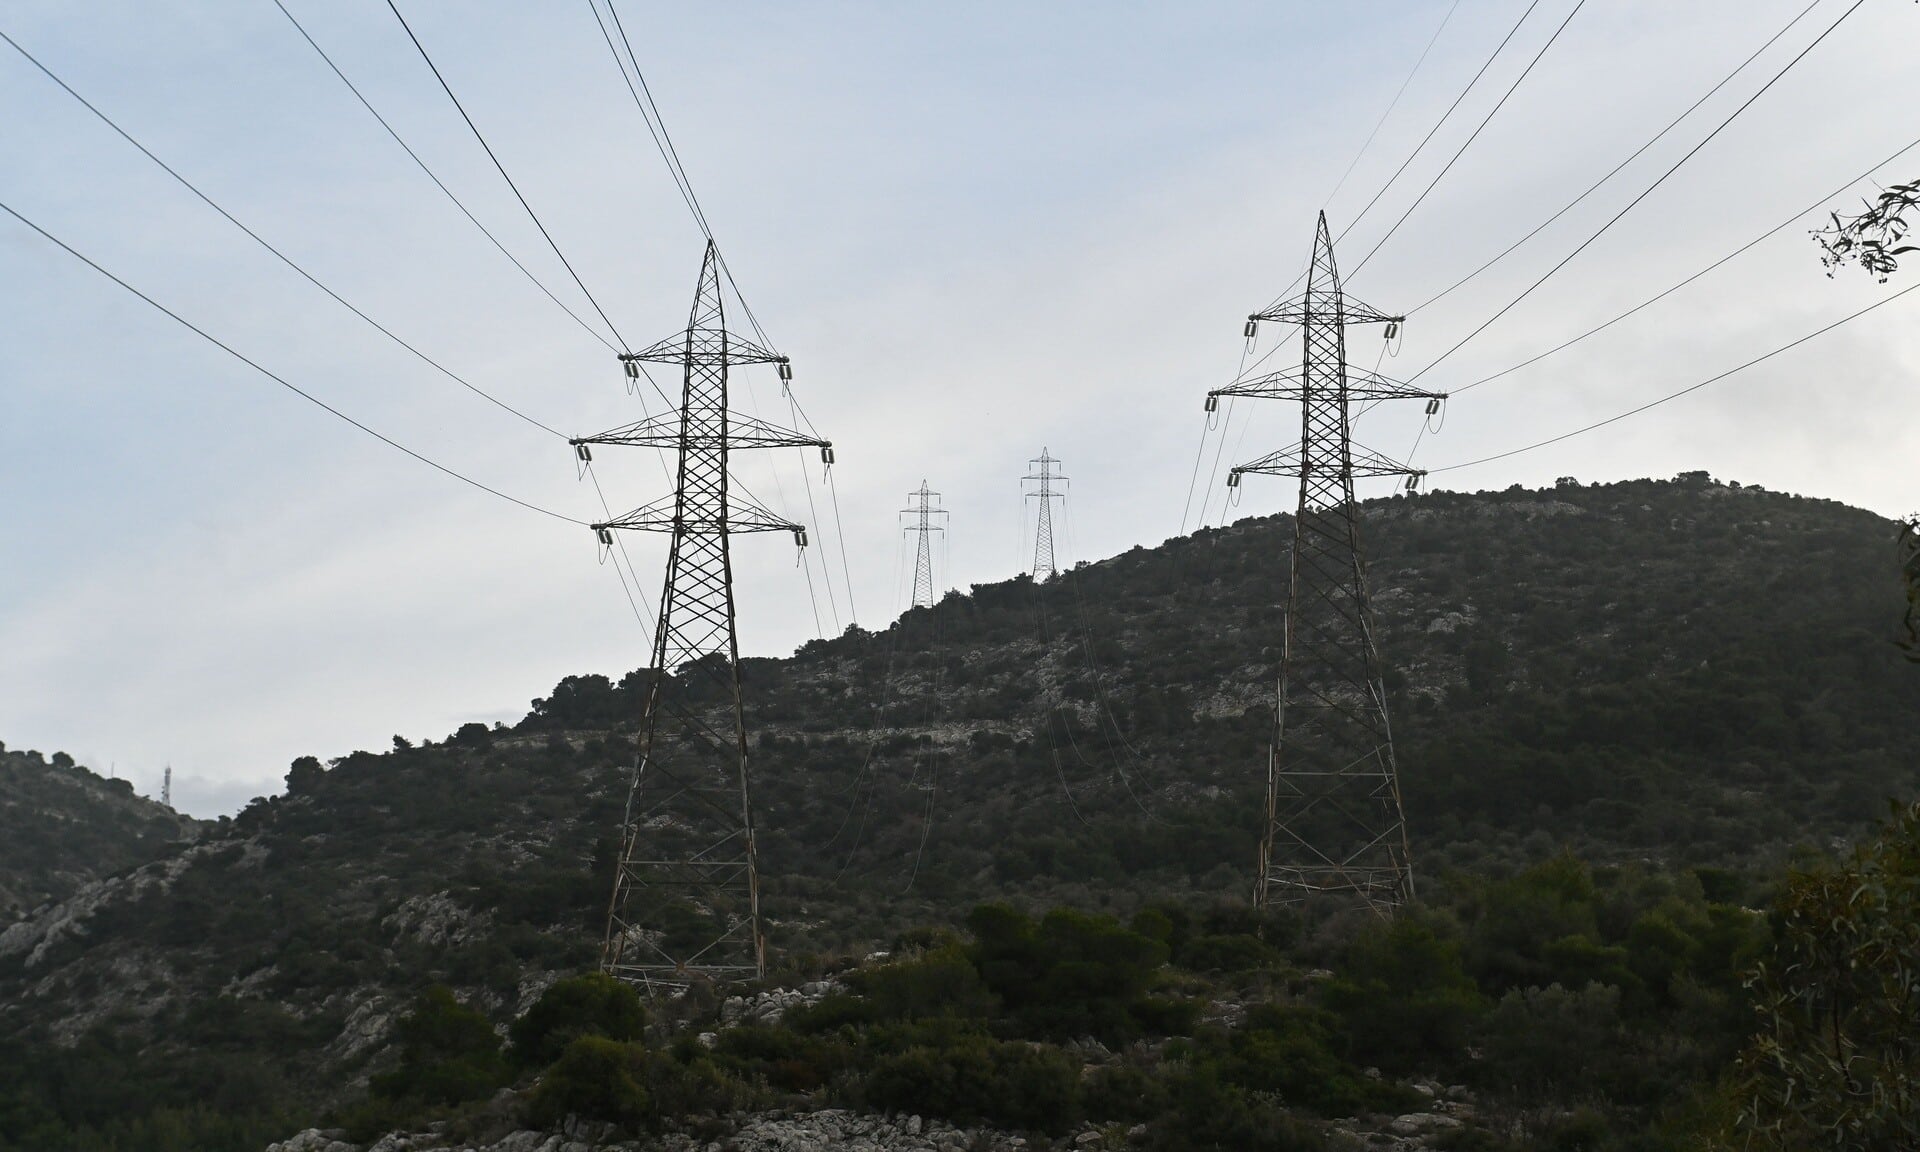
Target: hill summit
{"x": 63, "y": 827}
{"x": 1682, "y": 674}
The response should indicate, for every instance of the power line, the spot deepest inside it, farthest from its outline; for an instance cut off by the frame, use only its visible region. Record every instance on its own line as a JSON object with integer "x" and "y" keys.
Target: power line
{"x": 1462, "y": 150}
{"x": 663, "y": 143}
{"x": 669, "y": 152}
{"x": 368, "y": 105}
{"x": 1595, "y": 186}
{"x": 295, "y": 389}
{"x": 282, "y": 256}
{"x": 649, "y": 112}
{"x": 1682, "y": 392}
{"x": 534, "y": 216}
{"x": 1418, "y": 148}
{"x": 1637, "y": 199}
{"x": 1437, "y": 124}
{"x": 1813, "y": 207}
{"x": 621, "y": 542}
{"x": 1395, "y": 102}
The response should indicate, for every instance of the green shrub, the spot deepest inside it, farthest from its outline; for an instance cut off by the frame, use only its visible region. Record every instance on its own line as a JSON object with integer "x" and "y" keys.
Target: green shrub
{"x": 596, "y": 1079}
{"x": 1402, "y": 997}
{"x": 449, "y": 1054}
{"x": 1123, "y": 1092}
{"x": 590, "y": 1005}
{"x": 975, "y": 1079}
{"x": 779, "y": 1057}
{"x": 1227, "y": 953}
{"x": 1286, "y": 1051}
{"x": 941, "y": 984}
{"x": 1072, "y": 974}
{"x": 1543, "y": 1040}
{"x": 1208, "y": 1114}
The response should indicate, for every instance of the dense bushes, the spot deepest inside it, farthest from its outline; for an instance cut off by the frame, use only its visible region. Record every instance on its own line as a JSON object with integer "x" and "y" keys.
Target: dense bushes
{"x": 449, "y": 1054}
{"x": 1072, "y": 974}
{"x": 595, "y": 1078}
{"x": 1013, "y": 1084}
{"x": 591, "y": 1005}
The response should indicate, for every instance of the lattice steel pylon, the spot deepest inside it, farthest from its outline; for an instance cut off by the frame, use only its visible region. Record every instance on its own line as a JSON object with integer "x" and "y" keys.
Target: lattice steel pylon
{"x": 1334, "y": 823}
{"x": 924, "y": 511}
{"x": 1043, "y": 564}
{"x": 686, "y": 898}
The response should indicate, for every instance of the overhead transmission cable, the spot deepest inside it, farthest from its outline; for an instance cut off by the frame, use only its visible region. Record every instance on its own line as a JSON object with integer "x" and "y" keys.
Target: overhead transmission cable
{"x": 1635, "y": 202}
{"x": 282, "y": 381}
{"x": 1682, "y": 392}
{"x": 1395, "y": 102}
{"x": 656, "y": 124}
{"x": 1227, "y": 422}
{"x": 1656, "y": 298}
{"x": 282, "y": 256}
{"x": 534, "y": 216}
{"x": 310, "y": 278}
{"x": 1615, "y": 171}
{"x": 1418, "y": 148}
{"x": 457, "y": 203}
{"x": 1468, "y": 143}
{"x": 663, "y": 140}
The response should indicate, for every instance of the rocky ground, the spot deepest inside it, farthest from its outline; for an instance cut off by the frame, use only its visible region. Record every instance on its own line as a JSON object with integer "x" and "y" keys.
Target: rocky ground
{"x": 834, "y": 1128}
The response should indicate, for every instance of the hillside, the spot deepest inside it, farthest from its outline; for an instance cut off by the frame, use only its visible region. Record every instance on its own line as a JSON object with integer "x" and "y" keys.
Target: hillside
{"x": 62, "y": 827}
{"x": 1679, "y": 673}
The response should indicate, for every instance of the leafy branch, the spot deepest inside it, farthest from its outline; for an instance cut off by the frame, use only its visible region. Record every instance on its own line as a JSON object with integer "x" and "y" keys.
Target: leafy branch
{"x": 1874, "y": 238}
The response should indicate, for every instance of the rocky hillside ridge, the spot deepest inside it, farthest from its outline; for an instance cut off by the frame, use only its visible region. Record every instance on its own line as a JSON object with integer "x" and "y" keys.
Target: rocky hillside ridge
{"x": 828, "y": 1129}
{"x": 63, "y": 827}
{"x": 1675, "y": 671}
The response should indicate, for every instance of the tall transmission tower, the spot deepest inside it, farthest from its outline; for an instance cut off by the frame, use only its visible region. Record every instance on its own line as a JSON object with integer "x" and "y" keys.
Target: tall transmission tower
{"x": 1334, "y": 822}
{"x": 686, "y": 898}
{"x": 166, "y": 787}
{"x": 924, "y": 528}
{"x": 1044, "y": 476}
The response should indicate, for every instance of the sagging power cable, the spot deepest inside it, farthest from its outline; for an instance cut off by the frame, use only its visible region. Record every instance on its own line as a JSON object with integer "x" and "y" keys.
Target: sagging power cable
{"x": 1682, "y": 392}
{"x": 438, "y": 183}
{"x": 502, "y": 169}
{"x": 277, "y": 253}
{"x": 1637, "y": 200}
{"x": 280, "y": 380}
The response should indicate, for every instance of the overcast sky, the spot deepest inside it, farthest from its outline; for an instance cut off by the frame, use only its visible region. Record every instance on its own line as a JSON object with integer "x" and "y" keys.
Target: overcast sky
{"x": 978, "y": 229}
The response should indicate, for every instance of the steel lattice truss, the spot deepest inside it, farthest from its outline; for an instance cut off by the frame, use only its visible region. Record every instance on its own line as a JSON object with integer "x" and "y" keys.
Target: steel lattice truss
{"x": 924, "y": 509}
{"x": 686, "y": 902}
{"x": 1334, "y": 823}
{"x": 1043, "y": 562}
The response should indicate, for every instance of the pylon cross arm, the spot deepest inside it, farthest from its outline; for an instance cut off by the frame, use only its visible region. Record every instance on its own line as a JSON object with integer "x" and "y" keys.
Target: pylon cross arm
{"x": 1290, "y": 384}
{"x": 664, "y": 431}
{"x": 1360, "y": 462}
{"x": 700, "y": 346}
{"x": 660, "y": 516}
{"x": 1316, "y": 306}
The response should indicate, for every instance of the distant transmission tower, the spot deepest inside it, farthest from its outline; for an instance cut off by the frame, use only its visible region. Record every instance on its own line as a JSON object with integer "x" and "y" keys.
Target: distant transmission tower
{"x": 686, "y": 899}
{"x": 924, "y": 509}
{"x": 1334, "y": 823}
{"x": 1043, "y": 565}
{"x": 166, "y": 787}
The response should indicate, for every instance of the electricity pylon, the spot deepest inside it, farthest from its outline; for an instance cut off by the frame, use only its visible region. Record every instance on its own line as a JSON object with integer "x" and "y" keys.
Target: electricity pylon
{"x": 924, "y": 527}
{"x": 1043, "y": 565}
{"x": 686, "y": 898}
{"x": 1334, "y": 822}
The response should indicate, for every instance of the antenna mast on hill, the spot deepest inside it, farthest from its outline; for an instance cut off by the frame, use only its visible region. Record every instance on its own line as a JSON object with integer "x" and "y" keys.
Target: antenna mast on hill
{"x": 1043, "y": 565}
{"x": 924, "y": 509}
{"x": 1334, "y": 823}
{"x": 686, "y": 898}
{"x": 166, "y": 787}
